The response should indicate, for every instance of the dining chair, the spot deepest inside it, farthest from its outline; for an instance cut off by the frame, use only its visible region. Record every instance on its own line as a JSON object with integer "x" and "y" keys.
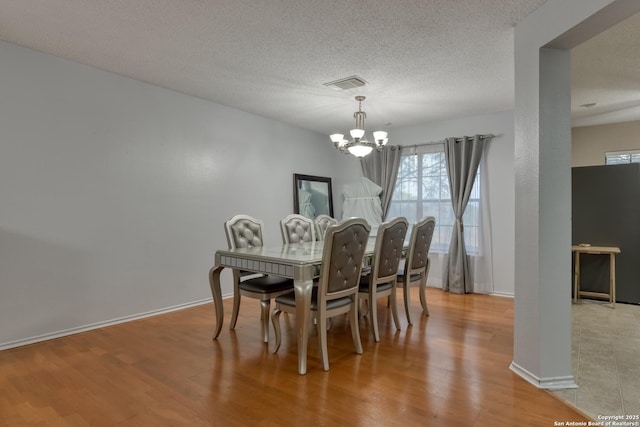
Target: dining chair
{"x": 337, "y": 291}
{"x": 321, "y": 222}
{"x": 297, "y": 228}
{"x": 244, "y": 231}
{"x": 416, "y": 267}
{"x": 381, "y": 282}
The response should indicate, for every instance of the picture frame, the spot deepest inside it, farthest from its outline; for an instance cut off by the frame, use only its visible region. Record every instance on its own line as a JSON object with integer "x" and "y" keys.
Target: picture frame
{"x": 312, "y": 195}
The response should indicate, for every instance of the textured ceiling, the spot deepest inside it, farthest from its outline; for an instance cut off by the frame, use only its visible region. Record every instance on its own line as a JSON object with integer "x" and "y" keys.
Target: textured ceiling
{"x": 422, "y": 60}
{"x": 606, "y": 71}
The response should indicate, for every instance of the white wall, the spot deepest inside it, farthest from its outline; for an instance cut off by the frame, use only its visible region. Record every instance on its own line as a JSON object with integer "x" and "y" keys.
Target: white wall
{"x": 113, "y": 192}
{"x": 499, "y": 169}
{"x": 589, "y": 143}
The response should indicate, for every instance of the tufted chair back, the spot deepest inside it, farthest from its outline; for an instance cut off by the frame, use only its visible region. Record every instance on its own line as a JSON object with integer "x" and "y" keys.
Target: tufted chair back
{"x": 343, "y": 254}
{"x": 243, "y": 231}
{"x": 389, "y": 246}
{"x": 337, "y": 291}
{"x": 323, "y": 221}
{"x": 297, "y": 228}
{"x": 420, "y": 243}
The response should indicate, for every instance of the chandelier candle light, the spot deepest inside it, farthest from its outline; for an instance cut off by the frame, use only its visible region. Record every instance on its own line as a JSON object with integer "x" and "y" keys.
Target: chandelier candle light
{"x": 359, "y": 146}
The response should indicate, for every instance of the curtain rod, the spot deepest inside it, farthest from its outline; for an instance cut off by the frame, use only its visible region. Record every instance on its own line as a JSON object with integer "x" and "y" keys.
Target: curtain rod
{"x": 442, "y": 141}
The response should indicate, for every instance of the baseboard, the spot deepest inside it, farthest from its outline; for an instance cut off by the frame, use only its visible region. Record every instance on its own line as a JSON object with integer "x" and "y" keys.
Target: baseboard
{"x": 551, "y": 383}
{"x": 502, "y": 294}
{"x": 66, "y": 332}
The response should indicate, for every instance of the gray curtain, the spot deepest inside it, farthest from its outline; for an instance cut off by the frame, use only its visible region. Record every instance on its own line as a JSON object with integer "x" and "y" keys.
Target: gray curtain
{"x": 381, "y": 167}
{"x": 462, "y": 157}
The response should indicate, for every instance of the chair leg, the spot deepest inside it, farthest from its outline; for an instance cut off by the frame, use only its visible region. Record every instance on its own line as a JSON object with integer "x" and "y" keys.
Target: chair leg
{"x": 394, "y": 307}
{"x": 364, "y": 306}
{"x": 407, "y": 301}
{"x": 236, "y": 307}
{"x": 423, "y": 288}
{"x": 423, "y": 298}
{"x": 265, "y": 306}
{"x": 355, "y": 329}
{"x": 275, "y": 319}
{"x": 322, "y": 341}
{"x": 374, "y": 319}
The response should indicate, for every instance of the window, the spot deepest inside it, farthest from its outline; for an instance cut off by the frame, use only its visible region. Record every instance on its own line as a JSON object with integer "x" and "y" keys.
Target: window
{"x": 621, "y": 157}
{"x": 422, "y": 189}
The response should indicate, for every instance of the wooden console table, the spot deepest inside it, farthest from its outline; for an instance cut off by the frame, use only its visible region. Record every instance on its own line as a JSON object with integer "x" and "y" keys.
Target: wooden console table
{"x": 595, "y": 250}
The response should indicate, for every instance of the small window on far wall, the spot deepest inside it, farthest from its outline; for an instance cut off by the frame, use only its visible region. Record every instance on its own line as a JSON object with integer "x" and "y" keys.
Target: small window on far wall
{"x": 621, "y": 157}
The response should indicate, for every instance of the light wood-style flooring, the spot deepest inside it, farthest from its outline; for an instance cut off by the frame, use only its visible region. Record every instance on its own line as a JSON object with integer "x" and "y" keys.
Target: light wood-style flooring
{"x": 448, "y": 369}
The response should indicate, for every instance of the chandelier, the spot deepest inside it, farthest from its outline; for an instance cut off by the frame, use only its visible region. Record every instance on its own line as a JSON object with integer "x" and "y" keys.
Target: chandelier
{"x": 359, "y": 146}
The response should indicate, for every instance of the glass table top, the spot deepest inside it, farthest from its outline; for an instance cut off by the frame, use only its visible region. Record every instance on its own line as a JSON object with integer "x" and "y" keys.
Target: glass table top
{"x": 294, "y": 253}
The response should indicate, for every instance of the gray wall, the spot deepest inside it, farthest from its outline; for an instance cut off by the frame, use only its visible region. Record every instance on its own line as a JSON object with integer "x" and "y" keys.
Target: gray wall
{"x": 113, "y": 192}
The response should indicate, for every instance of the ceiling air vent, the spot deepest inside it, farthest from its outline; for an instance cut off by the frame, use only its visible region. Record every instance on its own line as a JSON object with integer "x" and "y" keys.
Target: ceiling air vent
{"x": 346, "y": 83}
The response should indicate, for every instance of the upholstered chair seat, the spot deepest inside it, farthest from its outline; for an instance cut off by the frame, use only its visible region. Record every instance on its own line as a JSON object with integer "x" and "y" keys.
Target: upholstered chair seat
{"x": 265, "y": 284}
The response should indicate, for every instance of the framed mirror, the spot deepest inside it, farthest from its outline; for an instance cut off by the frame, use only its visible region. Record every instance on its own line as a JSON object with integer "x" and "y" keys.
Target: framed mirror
{"x": 312, "y": 195}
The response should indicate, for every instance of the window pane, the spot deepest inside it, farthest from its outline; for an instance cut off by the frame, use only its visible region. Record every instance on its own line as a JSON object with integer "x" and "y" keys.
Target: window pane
{"x": 471, "y": 239}
{"x": 422, "y": 189}
{"x": 406, "y": 190}
{"x": 439, "y": 164}
{"x": 407, "y": 182}
{"x": 405, "y": 209}
{"x": 409, "y": 168}
{"x": 475, "y": 191}
{"x": 621, "y": 157}
{"x": 617, "y": 159}
{"x": 445, "y": 213}
{"x": 430, "y": 187}
{"x": 394, "y": 210}
{"x": 471, "y": 216}
{"x": 445, "y": 192}
{"x": 444, "y": 237}
{"x": 431, "y": 209}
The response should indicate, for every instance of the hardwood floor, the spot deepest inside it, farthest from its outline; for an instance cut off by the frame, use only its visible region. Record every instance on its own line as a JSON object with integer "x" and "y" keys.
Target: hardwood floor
{"x": 449, "y": 369}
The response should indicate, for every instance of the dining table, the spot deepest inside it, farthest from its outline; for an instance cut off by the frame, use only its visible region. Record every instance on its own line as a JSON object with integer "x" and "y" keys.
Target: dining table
{"x": 298, "y": 261}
